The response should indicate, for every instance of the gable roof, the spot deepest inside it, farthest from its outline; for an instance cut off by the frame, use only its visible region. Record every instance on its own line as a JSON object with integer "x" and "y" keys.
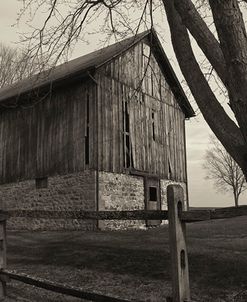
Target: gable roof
{"x": 80, "y": 66}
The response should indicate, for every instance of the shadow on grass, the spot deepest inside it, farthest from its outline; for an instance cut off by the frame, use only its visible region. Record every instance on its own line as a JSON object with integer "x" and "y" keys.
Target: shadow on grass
{"x": 214, "y": 271}
{"x": 153, "y": 264}
{"x": 143, "y": 254}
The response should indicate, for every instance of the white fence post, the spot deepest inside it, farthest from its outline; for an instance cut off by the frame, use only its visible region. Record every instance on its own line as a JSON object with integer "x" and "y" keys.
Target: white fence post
{"x": 178, "y": 249}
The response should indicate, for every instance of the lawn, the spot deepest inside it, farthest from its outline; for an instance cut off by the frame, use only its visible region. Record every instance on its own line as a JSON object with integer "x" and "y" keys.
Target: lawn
{"x": 132, "y": 264}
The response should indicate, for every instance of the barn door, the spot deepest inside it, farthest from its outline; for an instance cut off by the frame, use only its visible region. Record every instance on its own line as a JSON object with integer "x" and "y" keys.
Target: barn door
{"x": 152, "y": 198}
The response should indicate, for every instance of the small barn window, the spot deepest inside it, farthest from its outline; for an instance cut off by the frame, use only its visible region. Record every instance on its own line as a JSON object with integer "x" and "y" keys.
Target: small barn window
{"x": 126, "y": 137}
{"x": 153, "y": 125}
{"x": 41, "y": 182}
{"x": 153, "y": 194}
{"x": 170, "y": 169}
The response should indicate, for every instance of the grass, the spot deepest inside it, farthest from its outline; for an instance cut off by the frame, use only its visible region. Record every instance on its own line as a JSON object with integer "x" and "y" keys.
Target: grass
{"x": 132, "y": 264}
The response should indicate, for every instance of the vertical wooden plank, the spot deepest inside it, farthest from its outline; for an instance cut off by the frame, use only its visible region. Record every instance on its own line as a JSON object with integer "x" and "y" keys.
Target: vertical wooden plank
{"x": 98, "y": 120}
{"x": 181, "y": 144}
{"x": 136, "y": 69}
{"x": 70, "y": 126}
{"x": 118, "y": 126}
{"x": 178, "y": 248}
{"x": 2, "y": 256}
{"x": 114, "y": 124}
{"x": 109, "y": 124}
{"x": 164, "y": 138}
{"x": 134, "y": 128}
{"x": 146, "y": 133}
{"x": 121, "y": 127}
{"x": 82, "y": 118}
{"x": 142, "y": 149}
{"x": 1, "y": 145}
{"x": 124, "y": 124}
{"x": 105, "y": 127}
{"x": 183, "y": 148}
{"x": 174, "y": 121}
{"x": 102, "y": 132}
{"x": 91, "y": 96}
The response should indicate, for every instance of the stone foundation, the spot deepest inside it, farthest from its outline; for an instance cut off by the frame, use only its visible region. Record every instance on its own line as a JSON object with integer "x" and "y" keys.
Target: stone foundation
{"x": 117, "y": 192}
{"x": 121, "y": 192}
{"x": 64, "y": 192}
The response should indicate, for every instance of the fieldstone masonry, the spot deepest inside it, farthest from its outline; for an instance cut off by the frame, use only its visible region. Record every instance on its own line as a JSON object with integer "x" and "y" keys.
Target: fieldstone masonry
{"x": 163, "y": 187}
{"x": 64, "y": 192}
{"x": 121, "y": 192}
{"x": 117, "y": 192}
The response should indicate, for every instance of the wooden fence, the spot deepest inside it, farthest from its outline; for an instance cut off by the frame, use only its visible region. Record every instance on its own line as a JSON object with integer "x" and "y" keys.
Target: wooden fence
{"x": 176, "y": 215}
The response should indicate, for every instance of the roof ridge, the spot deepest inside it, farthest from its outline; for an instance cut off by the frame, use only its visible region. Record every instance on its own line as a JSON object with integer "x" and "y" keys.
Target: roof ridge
{"x": 68, "y": 68}
{"x": 80, "y": 66}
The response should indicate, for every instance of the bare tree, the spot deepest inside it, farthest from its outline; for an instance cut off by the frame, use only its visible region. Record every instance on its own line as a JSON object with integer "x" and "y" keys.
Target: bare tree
{"x": 15, "y": 65}
{"x": 223, "y": 170}
{"x": 224, "y": 46}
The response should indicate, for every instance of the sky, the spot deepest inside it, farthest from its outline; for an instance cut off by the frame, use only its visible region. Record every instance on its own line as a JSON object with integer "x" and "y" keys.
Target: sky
{"x": 201, "y": 191}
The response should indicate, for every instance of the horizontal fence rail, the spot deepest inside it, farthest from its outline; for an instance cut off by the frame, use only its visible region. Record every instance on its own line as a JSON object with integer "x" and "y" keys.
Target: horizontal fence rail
{"x": 94, "y": 215}
{"x": 185, "y": 216}
{"x": 221, "y": 213}
{"x": 57, "y": 287}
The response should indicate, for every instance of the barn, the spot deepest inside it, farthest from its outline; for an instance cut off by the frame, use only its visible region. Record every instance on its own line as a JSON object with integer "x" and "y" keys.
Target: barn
{"x": 105, "y": 131}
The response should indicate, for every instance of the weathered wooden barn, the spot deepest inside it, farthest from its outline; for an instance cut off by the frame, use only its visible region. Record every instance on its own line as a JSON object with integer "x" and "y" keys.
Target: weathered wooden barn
{"x": 104, "y": 131}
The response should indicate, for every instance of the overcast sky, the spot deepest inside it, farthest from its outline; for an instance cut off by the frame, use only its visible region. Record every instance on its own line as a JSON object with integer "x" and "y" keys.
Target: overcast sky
{"x": 201, "y": 191}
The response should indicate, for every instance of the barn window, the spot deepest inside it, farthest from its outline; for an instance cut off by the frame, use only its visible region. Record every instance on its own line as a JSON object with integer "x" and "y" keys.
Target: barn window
{"x": 152, "y": 82}
{"x": 170, "y": 169}
{"x": 153, "y": 194}
{"x": 41, "y": 182}
{"x": 87, "y": 133}
{"x": 126, "y": 137}
{"x": 153, "y": 125}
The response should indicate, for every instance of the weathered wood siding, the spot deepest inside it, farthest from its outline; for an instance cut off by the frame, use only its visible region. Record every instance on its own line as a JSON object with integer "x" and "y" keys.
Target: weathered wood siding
{"x": 140, "y": 124}
{"x": 48, "y": 136}
{"x": 131, "y": 121}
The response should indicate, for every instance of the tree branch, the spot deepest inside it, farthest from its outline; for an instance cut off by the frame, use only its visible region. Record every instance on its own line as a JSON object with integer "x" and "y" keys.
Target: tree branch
{"x": 203, "y": 36}
{"x": 213, "y": 112}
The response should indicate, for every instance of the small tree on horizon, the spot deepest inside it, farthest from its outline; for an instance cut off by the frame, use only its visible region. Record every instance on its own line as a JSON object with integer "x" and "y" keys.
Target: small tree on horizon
{"x": 223, "y": 170}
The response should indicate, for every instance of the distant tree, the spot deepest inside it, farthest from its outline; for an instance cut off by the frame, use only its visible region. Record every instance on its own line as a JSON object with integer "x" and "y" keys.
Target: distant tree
{"x": 15, "y": 65}
{"x": 224, "y": 170}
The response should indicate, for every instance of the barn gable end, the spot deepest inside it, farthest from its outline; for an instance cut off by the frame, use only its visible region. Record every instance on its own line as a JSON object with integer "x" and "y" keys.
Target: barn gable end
{"x": 141, "y": 124}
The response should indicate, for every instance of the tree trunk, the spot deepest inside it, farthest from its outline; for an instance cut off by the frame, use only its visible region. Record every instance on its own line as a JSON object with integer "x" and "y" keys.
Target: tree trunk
{"x": 236, "y": 197}
{"x": 231, "y": 31}
{"x": 224, "y": 128}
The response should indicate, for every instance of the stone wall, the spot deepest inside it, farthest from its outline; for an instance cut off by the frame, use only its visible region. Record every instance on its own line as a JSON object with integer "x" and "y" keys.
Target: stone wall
{"x": 117, "y": 192}
{"x": 121, "y": 192}
{"x": 64, "y": 192}
{"x": 163, "y": 187}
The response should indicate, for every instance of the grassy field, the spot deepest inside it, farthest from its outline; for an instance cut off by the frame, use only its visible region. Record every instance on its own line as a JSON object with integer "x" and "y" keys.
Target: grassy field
{"x": 132, "y": 264}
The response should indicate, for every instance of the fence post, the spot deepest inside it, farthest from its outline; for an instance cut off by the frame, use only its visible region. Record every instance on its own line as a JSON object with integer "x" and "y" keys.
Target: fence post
{"x": 2, "y": 253}
{"x": 178, "y": 250}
